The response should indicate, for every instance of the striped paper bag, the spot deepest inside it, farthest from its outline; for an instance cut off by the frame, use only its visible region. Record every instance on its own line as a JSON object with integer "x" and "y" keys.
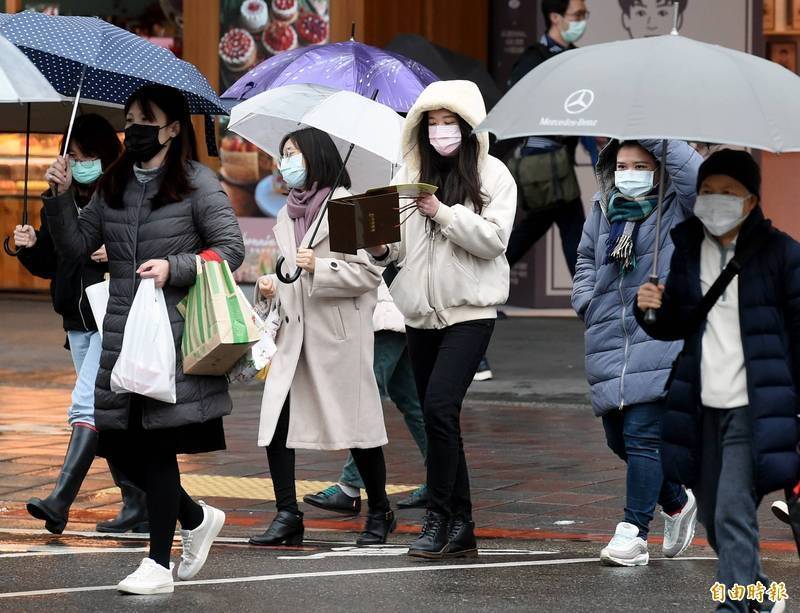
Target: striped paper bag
{"x": 220, "y": 323}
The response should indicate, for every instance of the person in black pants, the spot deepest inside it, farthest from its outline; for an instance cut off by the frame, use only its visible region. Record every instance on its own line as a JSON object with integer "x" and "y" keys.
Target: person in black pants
{"x": 453, "y": 276}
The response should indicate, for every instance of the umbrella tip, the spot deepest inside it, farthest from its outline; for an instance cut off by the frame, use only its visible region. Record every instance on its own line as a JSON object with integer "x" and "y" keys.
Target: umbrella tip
{"x": 675, "y": 18}
{"x": 353, "y": 31}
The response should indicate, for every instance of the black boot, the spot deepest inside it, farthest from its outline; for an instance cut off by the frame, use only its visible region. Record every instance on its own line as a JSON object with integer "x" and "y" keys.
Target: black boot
{"x": 132, "y": 517}
{"x": 461, "y": 537}
{"x": 432, "y": 541}
{"x": 377, "y": 527}
{"x": 286, "y": 529}
{"x": 54, "y": 509}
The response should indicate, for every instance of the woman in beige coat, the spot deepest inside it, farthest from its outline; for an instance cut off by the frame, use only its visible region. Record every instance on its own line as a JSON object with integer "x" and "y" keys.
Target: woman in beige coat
{"x": 321, "y": 391}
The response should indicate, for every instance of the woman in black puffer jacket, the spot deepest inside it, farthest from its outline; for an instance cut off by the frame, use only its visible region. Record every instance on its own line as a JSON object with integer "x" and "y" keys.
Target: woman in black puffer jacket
{"x": 156, "y": 209}
{"x": 93, "y": 147}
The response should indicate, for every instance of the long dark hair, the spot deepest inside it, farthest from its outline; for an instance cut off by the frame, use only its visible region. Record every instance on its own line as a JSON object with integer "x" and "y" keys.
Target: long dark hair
{"x": 323, "y": 161}
{"x": 96, "y": 138}
{"x": 456, "y": 177}
{"x": 176, "y": 184}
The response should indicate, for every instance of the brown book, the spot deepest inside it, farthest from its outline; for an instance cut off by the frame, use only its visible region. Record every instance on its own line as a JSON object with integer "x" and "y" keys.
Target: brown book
{"x": 784, "y": 54}
{"x": 364, "y": 220}
{"x": 769, "y": 15}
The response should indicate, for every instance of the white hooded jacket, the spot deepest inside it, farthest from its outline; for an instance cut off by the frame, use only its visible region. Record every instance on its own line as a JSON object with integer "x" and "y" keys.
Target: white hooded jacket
{"x": 457, "y": 272}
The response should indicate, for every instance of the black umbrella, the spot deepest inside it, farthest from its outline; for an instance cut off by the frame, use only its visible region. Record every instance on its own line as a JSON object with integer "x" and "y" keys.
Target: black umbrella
{"x": 447, "y": 65}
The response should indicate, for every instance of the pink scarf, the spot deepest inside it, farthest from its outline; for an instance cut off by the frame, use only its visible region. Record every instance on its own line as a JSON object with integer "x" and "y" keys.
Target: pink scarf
{"x": 303, "y": 207}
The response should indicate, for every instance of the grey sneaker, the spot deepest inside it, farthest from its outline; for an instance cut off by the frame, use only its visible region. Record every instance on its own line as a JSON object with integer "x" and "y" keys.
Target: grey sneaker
{"x": 679, "y": 529}
{"x": 627, "y": 548}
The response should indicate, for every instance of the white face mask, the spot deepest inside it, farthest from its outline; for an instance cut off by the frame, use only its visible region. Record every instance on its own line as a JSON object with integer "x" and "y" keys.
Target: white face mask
{"x": 720, "y": 213}
{"x": 634, "y": 183}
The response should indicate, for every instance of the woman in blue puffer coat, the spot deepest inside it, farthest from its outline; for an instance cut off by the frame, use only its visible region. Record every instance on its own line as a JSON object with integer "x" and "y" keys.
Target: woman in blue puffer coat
{"x": 626, "y": 369}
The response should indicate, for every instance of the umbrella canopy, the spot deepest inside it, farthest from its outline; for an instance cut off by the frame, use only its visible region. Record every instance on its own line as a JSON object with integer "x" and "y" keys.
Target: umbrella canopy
{"x": 446, "y": 64}
{"x": 105, "y": 63}
{"x": 664, "y": 87}
{"x": 20, "y": 80}
{"x": 349, "y": 66}
{"x": 373, "y": 128}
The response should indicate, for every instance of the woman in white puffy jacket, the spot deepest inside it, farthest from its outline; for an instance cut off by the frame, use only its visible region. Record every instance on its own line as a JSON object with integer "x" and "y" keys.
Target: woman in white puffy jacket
{"x": 453, "y": 276}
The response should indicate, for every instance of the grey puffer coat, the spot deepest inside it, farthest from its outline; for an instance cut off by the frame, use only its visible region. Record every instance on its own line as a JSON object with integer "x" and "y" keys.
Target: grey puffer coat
{"x": 624, "y": 365}
{"x": 133, "y": 234}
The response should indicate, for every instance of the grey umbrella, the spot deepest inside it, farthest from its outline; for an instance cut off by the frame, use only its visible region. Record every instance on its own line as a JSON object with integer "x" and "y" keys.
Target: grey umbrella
{"x": 667, "y": 87}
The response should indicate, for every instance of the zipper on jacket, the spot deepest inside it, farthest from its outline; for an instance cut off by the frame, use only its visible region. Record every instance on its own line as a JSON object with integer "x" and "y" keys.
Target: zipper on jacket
{"x": 431, "y": 284}
{"x": 80, "y": 297}
{"x": 626, "y": 346}
{"x": 136, "y": 239}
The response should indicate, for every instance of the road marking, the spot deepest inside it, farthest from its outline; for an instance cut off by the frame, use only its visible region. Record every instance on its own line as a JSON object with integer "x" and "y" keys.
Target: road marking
{"x": 395, "y": 550}
{"x": 333, "y": 573}
{"x": 65, "y": 551}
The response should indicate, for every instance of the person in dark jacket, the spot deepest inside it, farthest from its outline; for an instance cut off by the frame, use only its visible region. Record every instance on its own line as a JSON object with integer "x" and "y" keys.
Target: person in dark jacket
{"x": 155, "y": 210}
{"x": 730, "y": 430}
{"x": 93, "y": 147}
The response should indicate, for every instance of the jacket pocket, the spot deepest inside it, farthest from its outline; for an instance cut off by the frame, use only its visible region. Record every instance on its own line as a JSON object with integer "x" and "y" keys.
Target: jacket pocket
{"x": 409, "y": 293}
{"x": 338, "y": 323}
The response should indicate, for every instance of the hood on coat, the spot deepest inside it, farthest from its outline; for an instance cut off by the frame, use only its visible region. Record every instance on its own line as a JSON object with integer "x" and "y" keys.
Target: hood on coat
{"x": 462, "y": 98}
{"x": 607, "y": 165}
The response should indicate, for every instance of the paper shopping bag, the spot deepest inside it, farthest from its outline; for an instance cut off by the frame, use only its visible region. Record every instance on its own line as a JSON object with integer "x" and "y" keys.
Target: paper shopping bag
{"x": 220, "y": 323}
{"x": 98, "y": 302}
{"x": 146, "y": 362}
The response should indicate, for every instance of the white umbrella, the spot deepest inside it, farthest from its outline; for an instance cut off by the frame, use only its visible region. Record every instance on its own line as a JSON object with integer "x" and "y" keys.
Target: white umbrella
{"x": 348, "y": 118}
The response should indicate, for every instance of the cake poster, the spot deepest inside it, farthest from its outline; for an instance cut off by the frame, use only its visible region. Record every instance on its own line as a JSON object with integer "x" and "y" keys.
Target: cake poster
{"x": 254, "y": 30}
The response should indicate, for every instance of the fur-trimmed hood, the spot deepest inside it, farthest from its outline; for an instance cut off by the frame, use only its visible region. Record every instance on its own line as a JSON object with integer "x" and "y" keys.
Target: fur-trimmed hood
{"x": 462, "y": 98}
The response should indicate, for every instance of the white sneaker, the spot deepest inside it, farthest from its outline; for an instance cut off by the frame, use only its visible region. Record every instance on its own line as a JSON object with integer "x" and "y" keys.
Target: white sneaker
{"x": 781, "y": 511}
{"x": 626, "y": 548}
{"x": 149, "y": 578}
{"x": 679, "y": 529}
{"x": 197, "y": 542}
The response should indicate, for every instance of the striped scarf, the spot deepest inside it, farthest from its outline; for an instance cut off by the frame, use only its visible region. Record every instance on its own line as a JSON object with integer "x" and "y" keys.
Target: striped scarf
{"x": 625, "y": 215}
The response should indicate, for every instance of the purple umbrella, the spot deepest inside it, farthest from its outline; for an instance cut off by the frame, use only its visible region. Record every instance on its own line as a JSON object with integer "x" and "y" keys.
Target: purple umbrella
{"x": 350, "y": 66}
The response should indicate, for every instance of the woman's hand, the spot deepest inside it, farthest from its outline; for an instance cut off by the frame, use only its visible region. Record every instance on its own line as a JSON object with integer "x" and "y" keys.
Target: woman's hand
{"x": 100, "y": 255}
{"x": 650, "y": 296}
{"x": 266, "y": 287}
{"x": 381, "y": 251}
{"x": 59, "y": 175}
{"x": 155, "y": 269}
{"x": 24, "y": 236}
{"x": 306, "y": 260}
{"x": 428, "y": 205}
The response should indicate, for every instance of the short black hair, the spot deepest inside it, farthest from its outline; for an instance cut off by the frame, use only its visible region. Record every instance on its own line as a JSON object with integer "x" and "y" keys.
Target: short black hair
{"x": 627, "y": 5}
{"x": 323, "y": 161}
{"x": 96, "y": 138}
{"x": 553, "y": 6}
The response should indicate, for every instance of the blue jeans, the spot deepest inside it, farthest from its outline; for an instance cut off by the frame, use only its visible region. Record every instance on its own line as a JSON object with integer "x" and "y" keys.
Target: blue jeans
{"x": 85, "y": 348}
{"x": 395, "y": 378}
{"x": 634, "y": 434}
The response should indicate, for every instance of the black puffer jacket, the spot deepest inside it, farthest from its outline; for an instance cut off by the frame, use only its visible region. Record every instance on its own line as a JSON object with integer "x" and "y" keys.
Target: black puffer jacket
{"x": 769, "y": 314}
{"x": 133, "y": 234}
{"x": 68, "y": 279}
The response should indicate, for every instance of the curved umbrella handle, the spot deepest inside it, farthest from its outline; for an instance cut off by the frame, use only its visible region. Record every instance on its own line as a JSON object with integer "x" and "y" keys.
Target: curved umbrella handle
{"x": 8, "y": 249}
{"x": 284, "y": 278}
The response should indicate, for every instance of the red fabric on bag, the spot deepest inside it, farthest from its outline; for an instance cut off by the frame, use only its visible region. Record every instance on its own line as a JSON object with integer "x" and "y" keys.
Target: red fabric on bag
{"x": 209, "y": 255}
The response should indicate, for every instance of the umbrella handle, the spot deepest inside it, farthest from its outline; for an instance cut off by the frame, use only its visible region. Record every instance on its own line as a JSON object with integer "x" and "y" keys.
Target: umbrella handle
{"x": 650, "y": 315}
{"x": 8, "y": 249}
{"x": 284, "y": 278}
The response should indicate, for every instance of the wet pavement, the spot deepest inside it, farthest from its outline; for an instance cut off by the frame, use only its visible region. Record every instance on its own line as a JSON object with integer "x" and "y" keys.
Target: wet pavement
{"x": 542, "y": 481}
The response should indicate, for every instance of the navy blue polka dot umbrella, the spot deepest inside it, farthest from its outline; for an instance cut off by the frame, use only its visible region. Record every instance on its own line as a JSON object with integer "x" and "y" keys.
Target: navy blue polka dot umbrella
{"x": 88, "y": 57}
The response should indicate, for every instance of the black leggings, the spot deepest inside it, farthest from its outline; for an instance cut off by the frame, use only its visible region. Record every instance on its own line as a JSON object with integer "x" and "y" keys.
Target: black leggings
{"x": 370, "y": 464}
{"x": 157, "y": 474}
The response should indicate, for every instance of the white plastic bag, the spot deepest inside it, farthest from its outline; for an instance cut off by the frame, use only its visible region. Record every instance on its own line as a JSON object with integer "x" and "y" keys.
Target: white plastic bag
{"x": 253, "y": 364}
{"x": 146, "y": 363}
{"x": 98, "y": 302}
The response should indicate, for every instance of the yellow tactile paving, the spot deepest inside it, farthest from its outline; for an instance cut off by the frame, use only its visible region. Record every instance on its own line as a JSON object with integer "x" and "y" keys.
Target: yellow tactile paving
{"x": 256, "y": 488}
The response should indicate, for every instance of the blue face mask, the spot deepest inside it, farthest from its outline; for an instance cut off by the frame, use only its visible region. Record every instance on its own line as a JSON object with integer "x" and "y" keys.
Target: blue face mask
{"x": 293, "y": 171}
{"x": 86, "y": 172}
{"x": 574, "y": 32}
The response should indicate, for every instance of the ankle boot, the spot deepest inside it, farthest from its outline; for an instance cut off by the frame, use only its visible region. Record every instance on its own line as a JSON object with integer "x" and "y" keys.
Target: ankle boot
{"x": 377, "y": 527}
{"x": 54, "y": 509}
{"x": 287, "y": 528}
{"x": 461, "y": 539}
{"x": 432, "y": 541}
{"x": 132, "y": 517}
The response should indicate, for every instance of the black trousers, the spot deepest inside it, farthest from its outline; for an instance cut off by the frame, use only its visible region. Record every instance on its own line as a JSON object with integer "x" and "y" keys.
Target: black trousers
{"x": 156, "y": 473}
{"x": 444, "y": 363}
{"x": 569, "y": 218}
{"x": 370, "y": 463}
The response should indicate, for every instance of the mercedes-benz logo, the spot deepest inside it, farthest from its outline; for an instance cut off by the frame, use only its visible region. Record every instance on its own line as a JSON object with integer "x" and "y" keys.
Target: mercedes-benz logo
{"x": 577, "y": 102}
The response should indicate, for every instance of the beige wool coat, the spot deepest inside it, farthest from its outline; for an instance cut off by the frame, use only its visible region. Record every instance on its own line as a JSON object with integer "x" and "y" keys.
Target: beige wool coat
{"x": 325, "y": 349}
